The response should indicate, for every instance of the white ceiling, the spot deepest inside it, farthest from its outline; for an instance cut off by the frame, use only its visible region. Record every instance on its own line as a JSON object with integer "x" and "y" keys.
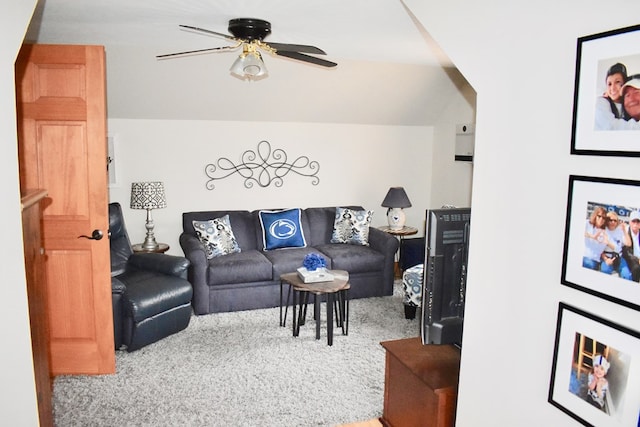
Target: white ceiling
{"x": 373, "y": 40}
{"x": 368, "y": 30}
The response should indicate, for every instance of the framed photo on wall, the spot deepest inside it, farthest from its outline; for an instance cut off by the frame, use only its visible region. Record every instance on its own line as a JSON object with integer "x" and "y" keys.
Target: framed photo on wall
{"x": 607, "y": 77}
{"x": 601, "y": 231}
{"x": 595, "y": 371}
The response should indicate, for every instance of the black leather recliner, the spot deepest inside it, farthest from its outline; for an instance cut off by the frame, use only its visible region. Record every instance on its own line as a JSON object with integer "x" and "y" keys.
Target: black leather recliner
{"x": 150, "y": 292}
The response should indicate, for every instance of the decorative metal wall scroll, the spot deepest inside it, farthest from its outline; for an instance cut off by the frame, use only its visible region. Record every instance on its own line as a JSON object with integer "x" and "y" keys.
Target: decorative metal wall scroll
{"x": 262, "y": 167}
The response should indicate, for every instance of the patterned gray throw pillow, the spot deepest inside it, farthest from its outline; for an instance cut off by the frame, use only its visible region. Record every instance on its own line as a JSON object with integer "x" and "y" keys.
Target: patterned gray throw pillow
{"x": 217, "y": 236}
{"x": 351, "y": 226}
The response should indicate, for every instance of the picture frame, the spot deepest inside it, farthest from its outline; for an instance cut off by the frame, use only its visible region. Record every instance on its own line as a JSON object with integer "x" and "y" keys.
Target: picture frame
{"x": 595, "y": 369}
{"x": 595, "y": 130}
{"x": 608, "y": 280}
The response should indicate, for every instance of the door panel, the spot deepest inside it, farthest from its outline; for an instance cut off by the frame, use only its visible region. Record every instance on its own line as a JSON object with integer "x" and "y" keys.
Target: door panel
{"x": 62, "y": 147}
{"x": 63, "y": 157}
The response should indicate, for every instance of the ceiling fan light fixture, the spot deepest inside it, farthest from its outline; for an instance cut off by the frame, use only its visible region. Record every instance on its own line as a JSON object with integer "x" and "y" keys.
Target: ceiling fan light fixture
{"x": 249, "y": 64}
{"x": 250, "y": 33}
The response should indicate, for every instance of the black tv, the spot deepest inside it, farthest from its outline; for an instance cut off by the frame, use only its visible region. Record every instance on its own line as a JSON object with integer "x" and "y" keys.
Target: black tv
{"x": 445, "y": 275}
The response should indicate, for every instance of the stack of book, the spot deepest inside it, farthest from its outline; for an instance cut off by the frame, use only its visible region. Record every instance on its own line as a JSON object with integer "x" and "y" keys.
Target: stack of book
{"x": 317, "y": 275}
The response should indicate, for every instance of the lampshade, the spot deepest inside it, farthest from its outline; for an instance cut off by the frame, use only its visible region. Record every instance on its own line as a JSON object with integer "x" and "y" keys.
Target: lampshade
{"x": 148, "y": 195}
{"x": 249, "y": 64}
{"x": 396, "y": 198}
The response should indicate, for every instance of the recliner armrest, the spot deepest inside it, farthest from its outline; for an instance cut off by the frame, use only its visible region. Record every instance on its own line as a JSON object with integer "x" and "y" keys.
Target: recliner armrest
{"x": 171, "y": 265}
{"x": 117, "y": 287}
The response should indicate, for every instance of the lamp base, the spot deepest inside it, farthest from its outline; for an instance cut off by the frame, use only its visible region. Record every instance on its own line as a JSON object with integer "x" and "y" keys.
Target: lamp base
{"x": 396, "y": 218}
{"x": 150, "y": 244}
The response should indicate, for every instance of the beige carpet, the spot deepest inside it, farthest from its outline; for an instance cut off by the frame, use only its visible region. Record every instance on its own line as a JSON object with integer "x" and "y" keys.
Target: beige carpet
{"x": 243, "y": 369}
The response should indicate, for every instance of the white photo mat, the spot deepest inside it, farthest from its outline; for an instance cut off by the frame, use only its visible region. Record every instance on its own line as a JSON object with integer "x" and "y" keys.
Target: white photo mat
{"x": 606, "y": 192}
{"x": 595, "y": 54}
{"x": 625, "y": 341}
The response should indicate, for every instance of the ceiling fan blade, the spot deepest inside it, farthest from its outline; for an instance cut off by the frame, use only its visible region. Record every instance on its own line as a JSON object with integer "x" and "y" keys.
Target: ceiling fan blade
{"x": 202, "y": 30}
{"x": 296, "y": 48}
{"x": 306, "y": 58}
{"x": 189, "y": 52}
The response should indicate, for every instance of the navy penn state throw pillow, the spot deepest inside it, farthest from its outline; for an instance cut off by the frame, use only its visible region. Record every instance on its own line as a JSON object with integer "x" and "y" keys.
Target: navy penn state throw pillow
{"x": 282, "y": 229}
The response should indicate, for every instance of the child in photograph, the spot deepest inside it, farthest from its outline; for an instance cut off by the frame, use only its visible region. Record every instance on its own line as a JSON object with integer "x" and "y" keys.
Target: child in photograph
{"x": 598, "y": 384}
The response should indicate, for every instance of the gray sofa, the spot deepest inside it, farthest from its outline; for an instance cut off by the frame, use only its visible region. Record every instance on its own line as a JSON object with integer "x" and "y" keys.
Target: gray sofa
{"x": 249, "y": 279}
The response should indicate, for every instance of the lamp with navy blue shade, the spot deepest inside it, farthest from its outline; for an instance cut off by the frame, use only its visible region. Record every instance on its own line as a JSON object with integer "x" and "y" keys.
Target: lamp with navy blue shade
{"x": 395, "y": 200}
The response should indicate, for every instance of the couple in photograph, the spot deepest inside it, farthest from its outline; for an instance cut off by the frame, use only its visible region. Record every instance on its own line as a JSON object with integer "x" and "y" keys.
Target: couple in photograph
{"x": 619, "y": 107}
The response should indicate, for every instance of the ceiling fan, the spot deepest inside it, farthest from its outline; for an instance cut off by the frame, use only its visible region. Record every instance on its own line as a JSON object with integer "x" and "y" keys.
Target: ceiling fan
{"x": 249, "y": 34}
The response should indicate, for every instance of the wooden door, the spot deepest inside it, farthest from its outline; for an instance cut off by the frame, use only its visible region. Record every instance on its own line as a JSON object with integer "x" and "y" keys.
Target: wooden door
{"x": 61, "y": 107}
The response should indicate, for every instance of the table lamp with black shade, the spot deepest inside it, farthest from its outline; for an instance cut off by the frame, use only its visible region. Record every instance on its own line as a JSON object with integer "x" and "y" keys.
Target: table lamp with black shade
{"x": 395, "y": 200}
{"x": 149, "y": 196}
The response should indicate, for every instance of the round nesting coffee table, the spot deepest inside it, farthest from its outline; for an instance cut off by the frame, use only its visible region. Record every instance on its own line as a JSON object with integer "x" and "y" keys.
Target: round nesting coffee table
{"x": 338, "y": 286}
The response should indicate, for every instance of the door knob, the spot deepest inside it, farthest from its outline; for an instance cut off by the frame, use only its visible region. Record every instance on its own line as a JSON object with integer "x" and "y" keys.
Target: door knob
{"x": 96, "y": 235}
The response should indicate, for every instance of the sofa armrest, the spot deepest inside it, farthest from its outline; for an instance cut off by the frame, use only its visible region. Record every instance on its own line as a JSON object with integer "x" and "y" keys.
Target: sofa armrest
{"x": 166, "y": 264}
{"x": 193, "y": 250}
{"x": 388, "y": 245}
{"x": 383, "y": 242}
{"x": 195, "y": 253}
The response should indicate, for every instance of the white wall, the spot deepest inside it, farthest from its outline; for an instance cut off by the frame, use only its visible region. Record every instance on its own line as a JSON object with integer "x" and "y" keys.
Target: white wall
{"x": 520, "y": 58}
{"x": 451, "y": 181}
{"x": 18, "y": 403}
{"x": 358, "y": 164}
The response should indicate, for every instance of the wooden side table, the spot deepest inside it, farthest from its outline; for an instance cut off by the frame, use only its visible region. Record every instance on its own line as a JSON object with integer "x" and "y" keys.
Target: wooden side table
{"x": 404, "y": 231}
{"x": 162, "y": 248}
{"x": 339, "y": 287}
{"x": 420, "y": 384}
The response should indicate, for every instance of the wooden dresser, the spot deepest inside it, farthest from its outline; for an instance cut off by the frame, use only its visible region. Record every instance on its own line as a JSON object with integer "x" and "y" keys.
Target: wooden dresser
{"x": 37, "y": 295}
{"x": 421, "y": 384}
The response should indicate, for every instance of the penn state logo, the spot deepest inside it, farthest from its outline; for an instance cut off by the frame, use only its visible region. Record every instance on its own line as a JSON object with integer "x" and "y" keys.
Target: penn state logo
{"x": 283, "y": 229}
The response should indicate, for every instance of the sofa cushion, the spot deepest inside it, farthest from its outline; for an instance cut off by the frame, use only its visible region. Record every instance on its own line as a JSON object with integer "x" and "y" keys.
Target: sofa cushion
{"x": 321, "y": 220}
{"x": 241, "y": 267}
{"x": 321, "y": 225}
{"x": 352, "y": 258}
{"x": 282, "y": 229}
{"x": 289, "y": 260}
{"x": 217, "y": 236}
{"x": 351, "y": 226}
